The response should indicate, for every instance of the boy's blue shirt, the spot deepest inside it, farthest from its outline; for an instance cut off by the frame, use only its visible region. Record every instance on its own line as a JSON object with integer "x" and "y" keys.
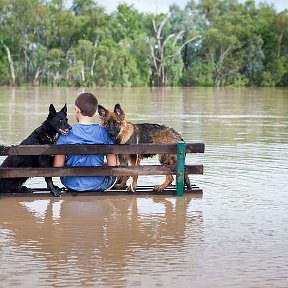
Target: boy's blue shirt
{"x": 84, "y": 134}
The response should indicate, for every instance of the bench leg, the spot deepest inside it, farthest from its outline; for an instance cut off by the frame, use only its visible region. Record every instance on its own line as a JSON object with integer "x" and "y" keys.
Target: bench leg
{"x": 180, "y": 168}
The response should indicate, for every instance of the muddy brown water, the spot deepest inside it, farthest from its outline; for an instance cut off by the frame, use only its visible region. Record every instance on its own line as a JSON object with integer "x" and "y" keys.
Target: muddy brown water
{"x": 234, "y": 235}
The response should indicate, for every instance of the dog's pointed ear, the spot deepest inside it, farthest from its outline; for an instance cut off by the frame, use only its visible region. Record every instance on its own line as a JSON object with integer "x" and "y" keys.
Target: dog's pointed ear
{"x": 102, "y": 111}
{"x": 119, "y": 111}
{"x": 52, "y": 111}
{"x": 64, "y": 109}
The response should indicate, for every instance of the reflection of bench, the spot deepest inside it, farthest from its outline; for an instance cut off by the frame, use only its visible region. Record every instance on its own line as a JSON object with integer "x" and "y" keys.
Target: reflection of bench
{"x": 180, "y": 149}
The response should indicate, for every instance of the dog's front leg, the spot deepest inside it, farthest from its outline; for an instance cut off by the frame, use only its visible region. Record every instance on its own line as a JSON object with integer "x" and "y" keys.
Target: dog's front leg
{"x": 121, "y": 182}
{"x": 133, "y": 186}
{"x": 52, "y": 188}
{"x": 135, "y": 160}
{"x": 47, "y": 161}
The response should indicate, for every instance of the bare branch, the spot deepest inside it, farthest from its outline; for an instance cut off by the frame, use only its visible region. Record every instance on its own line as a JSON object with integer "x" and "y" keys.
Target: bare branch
{"x": 154, "y": 26}
{"x": 161, "y": 26}
{"x": 167, "y": 39}
{"x": 183, "y": 45}
{"x": 178, "y": 36}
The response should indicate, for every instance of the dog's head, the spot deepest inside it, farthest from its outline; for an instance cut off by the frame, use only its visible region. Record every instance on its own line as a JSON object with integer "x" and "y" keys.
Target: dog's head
{"x": 114, "y": 121}
{"x": 58, "y": 120}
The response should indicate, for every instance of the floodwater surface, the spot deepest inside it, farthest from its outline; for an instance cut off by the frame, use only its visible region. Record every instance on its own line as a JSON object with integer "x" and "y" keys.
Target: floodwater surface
{"x": 234, "y": 235}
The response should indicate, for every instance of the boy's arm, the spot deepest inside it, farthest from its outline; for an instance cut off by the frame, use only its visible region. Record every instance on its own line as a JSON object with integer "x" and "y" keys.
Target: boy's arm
{"x": 111, "y": 160}
{"x": 59, "y": 161}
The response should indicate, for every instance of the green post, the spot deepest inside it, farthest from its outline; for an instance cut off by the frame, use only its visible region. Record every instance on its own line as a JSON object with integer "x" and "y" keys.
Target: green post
{"x": 180, "y": 168}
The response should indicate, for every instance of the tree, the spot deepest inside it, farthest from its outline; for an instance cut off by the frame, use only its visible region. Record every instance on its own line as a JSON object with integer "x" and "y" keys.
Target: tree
{"x": 219, "y": 49}
{"x": 56, "y": 66}
{"x": 38, "y": 60}
{"x": 85, "y": 52}
{"x": 232, "y": 46}
{"x": 139, "y": 50}
{"x": 92, "y": 21}
{"x": 115, "y": 65}
{"x": 209, "y": 42}
{"x": 161, "y": 57}
{"x": 17, "y": 22}
{"x": 11, "y": 64}
{"x": 190, "y": 23}
{"x": 125, "y": 23}
{"x": 22, "y": 30}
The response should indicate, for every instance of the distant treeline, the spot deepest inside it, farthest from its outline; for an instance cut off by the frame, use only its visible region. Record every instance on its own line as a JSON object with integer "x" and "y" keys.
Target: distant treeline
{"x": 209, "y": 43}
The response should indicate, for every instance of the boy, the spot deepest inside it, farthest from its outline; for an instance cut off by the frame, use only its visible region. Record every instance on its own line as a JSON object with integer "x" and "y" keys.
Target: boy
{"x": 86, "y": 132}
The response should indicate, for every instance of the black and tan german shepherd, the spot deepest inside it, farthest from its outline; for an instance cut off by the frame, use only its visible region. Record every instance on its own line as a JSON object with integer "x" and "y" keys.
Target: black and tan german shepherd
{"x": 56, "y": 123}
{"x": 123, "y": 132}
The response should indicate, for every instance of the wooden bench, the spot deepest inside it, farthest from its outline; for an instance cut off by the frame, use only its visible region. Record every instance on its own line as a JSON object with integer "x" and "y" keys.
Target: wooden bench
{"x": 181, "y": 149}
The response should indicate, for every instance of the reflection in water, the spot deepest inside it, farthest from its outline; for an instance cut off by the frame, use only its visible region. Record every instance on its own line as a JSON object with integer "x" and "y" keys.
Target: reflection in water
{"x": 95, "y": 235}
{"x": 234, "y": 236}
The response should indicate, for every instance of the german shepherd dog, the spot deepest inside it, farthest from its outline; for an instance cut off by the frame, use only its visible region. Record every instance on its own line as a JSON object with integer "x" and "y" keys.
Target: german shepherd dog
{"x": 123, "y": 132}
{"x": 55, "y": 123}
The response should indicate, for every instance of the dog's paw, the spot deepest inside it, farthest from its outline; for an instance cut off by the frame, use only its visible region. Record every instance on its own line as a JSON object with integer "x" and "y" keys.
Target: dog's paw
{"x": 157, "y": 189}
{"x": 119, "y": 187}
{"x": 131, "y": 189}
{"x": 56, "y": 191}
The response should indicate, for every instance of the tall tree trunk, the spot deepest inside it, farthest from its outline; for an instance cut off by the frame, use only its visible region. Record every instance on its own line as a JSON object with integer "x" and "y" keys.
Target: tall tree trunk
{"x": 36, "y": 79}
{"x": 82, "y": 72}
{"x": 94, "y": 60}
{"x": 217, "y": 78}
{"x": 157, "y": 54}
{"x": 11, "y": 65}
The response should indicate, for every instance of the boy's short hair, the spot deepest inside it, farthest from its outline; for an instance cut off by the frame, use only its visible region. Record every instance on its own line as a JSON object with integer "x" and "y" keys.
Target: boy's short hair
{"x": 87, "y": 103}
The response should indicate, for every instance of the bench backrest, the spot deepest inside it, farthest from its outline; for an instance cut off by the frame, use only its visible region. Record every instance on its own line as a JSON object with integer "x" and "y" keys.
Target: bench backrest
{"x": 181, "y": 149}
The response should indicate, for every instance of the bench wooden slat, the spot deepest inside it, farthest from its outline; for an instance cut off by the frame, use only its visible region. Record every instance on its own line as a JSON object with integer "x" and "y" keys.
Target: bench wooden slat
{"x": 99, "y": 171}
{"x": 99, "y": 149}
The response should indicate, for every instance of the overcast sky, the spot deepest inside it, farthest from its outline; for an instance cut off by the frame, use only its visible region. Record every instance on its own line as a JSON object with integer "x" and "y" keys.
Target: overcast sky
{"x": 162, "y": 6}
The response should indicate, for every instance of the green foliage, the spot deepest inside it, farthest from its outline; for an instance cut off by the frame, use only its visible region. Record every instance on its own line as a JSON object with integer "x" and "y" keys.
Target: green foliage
{"x": 4, "y": 73}
{"x": 139, "y": 50}
{"x": 199, "y": 74}
{"x": 115, "y": 66}
{"x": 125, "y": 23}
{"x": 208, "y": 43}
